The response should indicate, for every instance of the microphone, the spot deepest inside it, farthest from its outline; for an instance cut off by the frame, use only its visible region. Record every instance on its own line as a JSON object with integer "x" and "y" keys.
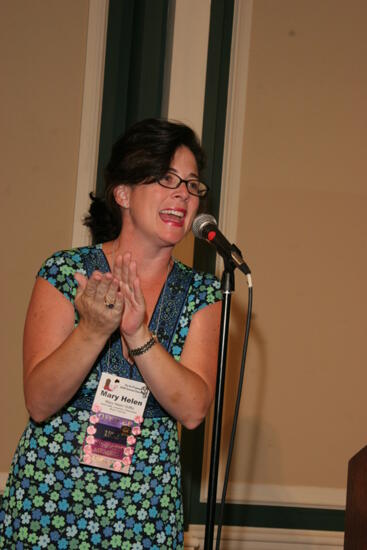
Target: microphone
{"x": 205, "y": 227}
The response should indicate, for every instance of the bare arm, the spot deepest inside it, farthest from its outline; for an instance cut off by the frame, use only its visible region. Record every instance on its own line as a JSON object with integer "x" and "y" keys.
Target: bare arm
{"x": 57, "y": 356}
{"x": 184, "y": 389}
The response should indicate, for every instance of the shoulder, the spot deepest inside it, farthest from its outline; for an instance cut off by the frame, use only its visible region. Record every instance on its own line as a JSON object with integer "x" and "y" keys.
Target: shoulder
{"x": 204, "y": 289}
{"x": 59, "y": 268}
{"x": 65, "y": 262}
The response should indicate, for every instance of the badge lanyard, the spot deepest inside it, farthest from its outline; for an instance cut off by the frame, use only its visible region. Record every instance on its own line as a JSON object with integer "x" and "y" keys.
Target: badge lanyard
{"x": 116, "y": 418}
{"x": 117, "y": 414}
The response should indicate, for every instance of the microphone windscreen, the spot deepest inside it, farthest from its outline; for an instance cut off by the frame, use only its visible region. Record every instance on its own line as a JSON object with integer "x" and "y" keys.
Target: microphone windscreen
{"x": 200, "y": 222}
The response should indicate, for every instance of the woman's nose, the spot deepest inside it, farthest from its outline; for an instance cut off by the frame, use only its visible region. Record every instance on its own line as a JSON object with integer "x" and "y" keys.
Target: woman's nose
{"x": 181, "y": 190}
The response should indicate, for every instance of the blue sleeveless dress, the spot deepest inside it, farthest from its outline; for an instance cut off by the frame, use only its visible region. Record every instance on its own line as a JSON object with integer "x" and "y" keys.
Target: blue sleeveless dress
{"x": 51, "y": 500}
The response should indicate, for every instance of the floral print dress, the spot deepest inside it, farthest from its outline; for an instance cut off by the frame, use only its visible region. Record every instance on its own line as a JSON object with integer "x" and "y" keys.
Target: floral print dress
{"x": 51, "y": 500}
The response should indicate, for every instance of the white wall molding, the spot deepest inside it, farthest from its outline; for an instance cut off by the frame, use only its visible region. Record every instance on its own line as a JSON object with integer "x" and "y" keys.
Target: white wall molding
{"x": 282, "y": 495}
{"x": 91, "y": 116}
{"x": 235, "y": 122}
{"x": 250, "y": 538}
{"x": 186, "y": 66}
{"x": 187, "y": 63}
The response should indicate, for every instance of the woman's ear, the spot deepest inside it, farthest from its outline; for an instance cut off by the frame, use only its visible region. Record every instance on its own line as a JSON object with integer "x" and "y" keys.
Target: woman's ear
{"x": 122, "y": 195}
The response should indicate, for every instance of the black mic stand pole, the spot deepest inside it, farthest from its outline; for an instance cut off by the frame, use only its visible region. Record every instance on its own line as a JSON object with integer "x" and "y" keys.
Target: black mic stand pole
{"x": 227, "y": 288}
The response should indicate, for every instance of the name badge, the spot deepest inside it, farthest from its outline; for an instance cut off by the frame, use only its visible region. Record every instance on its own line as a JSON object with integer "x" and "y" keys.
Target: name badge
{"x": 114, "y": 425}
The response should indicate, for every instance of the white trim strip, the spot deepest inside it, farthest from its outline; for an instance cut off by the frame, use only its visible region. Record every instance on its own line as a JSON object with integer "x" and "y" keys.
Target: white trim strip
{"x": 235, "y": 123}
{"x": 251, "y": 538}
{"x": 91, "y": 116}
{"x": 282, "y": 495}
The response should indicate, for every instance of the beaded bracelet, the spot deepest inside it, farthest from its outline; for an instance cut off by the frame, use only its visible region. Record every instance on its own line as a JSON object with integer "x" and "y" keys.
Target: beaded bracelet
{"x": 142, "y": 349}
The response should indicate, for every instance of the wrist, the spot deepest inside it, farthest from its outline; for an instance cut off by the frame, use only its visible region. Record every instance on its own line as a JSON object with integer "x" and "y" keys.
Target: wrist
{"x": 90, "y": 336}
{"x": 135, "y": 352}
{"x": 140, "y": 342}
{"x": 138, "y": 338}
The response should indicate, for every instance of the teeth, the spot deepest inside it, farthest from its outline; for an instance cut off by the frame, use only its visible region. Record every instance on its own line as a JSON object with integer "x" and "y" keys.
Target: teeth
{"x": 173, "y": 213}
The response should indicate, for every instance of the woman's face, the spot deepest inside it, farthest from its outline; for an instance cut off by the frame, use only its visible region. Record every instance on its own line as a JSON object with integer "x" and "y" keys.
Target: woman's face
{"x": 160, "y": 213}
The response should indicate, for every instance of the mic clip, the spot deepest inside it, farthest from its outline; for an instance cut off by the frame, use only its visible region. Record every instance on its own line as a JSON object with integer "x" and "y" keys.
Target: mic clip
{"x": 235, "y": 259}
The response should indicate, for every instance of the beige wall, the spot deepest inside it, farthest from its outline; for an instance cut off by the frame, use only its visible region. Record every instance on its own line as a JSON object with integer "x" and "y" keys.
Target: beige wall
{"x": 303, "y": 227}
{"x": 42, "y": 59}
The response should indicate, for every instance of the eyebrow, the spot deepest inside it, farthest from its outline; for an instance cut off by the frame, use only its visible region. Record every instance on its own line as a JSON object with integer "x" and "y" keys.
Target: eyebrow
{"x": 170, "y": 169}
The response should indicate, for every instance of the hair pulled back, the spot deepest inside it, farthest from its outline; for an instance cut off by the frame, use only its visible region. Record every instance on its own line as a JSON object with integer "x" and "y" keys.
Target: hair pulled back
{"x": 143, "y": 153}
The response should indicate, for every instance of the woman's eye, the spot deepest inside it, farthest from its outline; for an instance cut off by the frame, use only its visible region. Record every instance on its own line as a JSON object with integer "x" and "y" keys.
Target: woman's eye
{"x": 168, "y": 178}
{"x": 195, "y": 185}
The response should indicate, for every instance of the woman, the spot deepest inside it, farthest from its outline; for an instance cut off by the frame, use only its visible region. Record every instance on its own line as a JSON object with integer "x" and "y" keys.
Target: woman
{"x": 126, "y": 308}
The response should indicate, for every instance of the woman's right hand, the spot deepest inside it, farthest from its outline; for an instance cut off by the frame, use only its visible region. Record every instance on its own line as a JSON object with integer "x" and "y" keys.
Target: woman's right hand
{"x": 96, "y": 318}
{"x": 58, "y": 356}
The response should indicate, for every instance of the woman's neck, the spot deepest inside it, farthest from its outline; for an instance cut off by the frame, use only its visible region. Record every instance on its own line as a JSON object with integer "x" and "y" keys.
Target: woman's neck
{"x": 151, "y": 261}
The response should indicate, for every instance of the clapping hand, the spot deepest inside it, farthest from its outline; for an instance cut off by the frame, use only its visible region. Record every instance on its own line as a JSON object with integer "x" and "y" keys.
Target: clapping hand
{"x": 93, "y": 300}
{"x": 134, "y": 308}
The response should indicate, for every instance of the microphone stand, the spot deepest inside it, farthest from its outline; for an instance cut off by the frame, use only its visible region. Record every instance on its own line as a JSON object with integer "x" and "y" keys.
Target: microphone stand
{"x": 227, "y": 285}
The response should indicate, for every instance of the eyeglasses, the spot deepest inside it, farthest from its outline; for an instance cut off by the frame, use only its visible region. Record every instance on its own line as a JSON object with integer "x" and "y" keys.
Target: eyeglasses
{"x": 194, "y": 187}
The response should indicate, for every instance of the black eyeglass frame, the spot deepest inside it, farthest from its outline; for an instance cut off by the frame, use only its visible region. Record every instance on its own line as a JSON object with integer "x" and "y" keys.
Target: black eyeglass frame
{"x": 186, "y": 182}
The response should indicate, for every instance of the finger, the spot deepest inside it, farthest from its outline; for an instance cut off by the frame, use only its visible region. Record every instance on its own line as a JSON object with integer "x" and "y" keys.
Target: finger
{"x": 138, "y": 293}
{"x": 111, "y": 291}
{"x": 128, "y": 281}
{"x": 117, "y": 267}
{"x": 81, "y": 283}
{"x": 119, "y": 301}
{"x": 133, "y": 273}
{"x": 132, "y": 291}
{"x": 126, "y": 260}
{"x": 89, "y": 289}
{"x": 103, "y": 286}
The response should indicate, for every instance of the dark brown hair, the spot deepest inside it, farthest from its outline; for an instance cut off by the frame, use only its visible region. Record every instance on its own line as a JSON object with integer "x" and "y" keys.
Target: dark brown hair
{"x": 142, "y": 154}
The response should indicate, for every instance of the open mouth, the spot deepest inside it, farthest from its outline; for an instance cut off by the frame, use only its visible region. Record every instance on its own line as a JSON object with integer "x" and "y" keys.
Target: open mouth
{"x": 171, "y": 215}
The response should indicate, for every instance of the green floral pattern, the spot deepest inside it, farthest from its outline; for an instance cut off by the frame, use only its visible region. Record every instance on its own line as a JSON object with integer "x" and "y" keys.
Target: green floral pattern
{"x": 52, "y": 501}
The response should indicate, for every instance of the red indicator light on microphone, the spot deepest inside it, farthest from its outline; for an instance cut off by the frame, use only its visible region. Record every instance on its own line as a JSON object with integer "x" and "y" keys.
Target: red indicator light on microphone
{"x": 211, "y": 235}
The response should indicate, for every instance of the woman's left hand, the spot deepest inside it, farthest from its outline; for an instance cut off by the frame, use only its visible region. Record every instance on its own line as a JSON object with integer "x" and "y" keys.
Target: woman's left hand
{"x": 185, "y": 389}
{"x": 134, "y": 312}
